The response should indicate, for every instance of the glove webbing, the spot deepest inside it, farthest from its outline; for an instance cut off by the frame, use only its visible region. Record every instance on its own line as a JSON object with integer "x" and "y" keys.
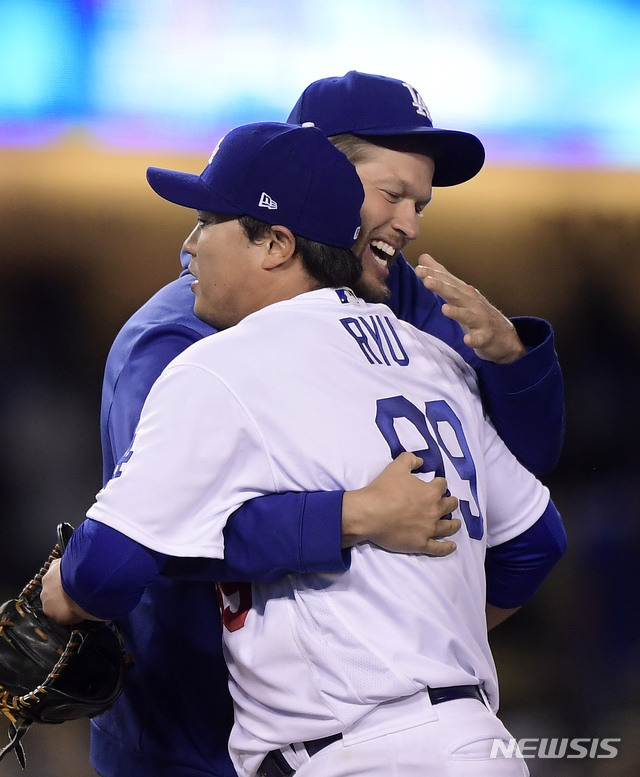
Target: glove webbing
{"x": 9, "y": 704}
{"x": 20, "y": 725}
{"x": 15, "y": 735}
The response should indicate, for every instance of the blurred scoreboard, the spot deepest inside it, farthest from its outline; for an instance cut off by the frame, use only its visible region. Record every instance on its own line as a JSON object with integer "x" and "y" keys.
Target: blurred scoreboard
{"x": 540, "y": 81}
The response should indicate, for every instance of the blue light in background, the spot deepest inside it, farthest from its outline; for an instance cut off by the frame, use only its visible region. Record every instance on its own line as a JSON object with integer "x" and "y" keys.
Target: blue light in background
{"x": 44, "y": 68}
{"x": 554, "y": 81}
{"x": 587, "y": 56}
{"x": 41, "y": 62}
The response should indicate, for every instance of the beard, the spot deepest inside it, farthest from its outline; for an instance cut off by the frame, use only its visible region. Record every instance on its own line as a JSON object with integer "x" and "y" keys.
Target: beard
{"x": 371, "y": 290}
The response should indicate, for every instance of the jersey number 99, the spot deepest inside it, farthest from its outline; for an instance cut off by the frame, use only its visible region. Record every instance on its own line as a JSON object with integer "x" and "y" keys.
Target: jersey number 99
{"x": 429, "y": 424}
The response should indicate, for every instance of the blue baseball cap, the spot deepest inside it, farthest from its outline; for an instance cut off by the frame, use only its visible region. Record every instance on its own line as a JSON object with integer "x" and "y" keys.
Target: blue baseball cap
{"x": 377, "y": 106}
{"x": 278, "y": 173}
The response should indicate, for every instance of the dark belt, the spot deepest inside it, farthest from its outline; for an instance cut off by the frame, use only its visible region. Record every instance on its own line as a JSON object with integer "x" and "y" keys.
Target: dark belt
{"x": 276, "y": 765}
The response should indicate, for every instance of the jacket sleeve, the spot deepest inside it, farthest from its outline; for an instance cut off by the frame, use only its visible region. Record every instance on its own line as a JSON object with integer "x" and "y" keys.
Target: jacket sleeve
{"x": 124, "y": 394}
{"x": 525, "y": 398}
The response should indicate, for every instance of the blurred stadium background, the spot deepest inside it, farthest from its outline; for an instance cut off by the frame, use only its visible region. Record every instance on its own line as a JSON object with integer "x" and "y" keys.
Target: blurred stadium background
{"x": 94, "y": 91}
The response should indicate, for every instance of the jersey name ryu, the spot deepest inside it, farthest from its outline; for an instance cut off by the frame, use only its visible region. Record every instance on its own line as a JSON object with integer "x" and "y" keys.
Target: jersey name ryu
{"x": 377, "y": 338}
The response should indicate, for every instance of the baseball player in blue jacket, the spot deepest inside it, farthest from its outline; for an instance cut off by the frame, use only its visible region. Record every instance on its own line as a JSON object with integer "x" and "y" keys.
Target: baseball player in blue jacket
{"x": 149, "y": 732}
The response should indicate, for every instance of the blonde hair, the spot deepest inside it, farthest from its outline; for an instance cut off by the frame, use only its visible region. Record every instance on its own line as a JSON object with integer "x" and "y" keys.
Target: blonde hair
{"x": 355, "y": 148}
{"x": 358, "y": 149}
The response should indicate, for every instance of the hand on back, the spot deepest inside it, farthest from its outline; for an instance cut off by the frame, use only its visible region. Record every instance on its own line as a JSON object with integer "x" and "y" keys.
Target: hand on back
{"x": 400, "y": 512}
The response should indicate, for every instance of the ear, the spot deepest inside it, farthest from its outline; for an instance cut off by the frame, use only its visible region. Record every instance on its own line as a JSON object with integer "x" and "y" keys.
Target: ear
{"x": 280, "y": 247}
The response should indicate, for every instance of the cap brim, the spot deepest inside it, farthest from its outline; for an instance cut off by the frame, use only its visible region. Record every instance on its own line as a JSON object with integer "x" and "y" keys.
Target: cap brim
{"x": 188, "y": 190}
{"x": 458, "y": 156}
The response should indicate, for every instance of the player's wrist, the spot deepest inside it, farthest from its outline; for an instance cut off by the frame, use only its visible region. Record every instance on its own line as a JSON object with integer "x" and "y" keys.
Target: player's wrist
{"x": 354, "y": 518}
{"x": 76, "y": 613}
{"x": 515, "y": 350}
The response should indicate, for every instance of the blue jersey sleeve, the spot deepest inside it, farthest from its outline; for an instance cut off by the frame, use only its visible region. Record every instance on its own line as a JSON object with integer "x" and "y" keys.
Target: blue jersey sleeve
{"x": 259, "y": 549}
{"x": 307, "y": 540}
{"x": 516, "y": 568}
{"x": 106, "y": 572}
{"x": 525, "y": 398}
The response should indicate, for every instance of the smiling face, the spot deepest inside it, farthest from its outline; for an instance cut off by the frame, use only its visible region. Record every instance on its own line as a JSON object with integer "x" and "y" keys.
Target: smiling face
{"x": 397, "y": 187}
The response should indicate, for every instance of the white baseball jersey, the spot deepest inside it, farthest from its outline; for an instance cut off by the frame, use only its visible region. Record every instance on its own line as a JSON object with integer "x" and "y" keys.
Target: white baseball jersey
{"x": 320, "y": 392}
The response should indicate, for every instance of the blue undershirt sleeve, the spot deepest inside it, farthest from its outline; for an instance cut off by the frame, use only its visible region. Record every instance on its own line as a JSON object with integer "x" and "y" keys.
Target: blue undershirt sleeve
{"x": 106, "y": 572}
{"x": 516, "y": 568}
{"x": 305, "y": 537}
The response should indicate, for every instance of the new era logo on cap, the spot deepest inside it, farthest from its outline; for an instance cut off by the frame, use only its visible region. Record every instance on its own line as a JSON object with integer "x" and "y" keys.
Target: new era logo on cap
{"x": 267, "y": 202}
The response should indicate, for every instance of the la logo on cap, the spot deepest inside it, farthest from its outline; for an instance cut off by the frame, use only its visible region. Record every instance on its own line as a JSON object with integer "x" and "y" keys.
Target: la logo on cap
{"x": 267, "y": 202}
{"x": 418, "y": 103}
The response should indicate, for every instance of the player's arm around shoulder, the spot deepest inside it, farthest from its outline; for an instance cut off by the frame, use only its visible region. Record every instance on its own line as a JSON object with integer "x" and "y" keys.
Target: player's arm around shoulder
{"x": 315, "y": 530}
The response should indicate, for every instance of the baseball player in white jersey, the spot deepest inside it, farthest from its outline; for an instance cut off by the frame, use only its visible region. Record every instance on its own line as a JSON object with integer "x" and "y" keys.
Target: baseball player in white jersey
{"x": 384, "y": 669}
